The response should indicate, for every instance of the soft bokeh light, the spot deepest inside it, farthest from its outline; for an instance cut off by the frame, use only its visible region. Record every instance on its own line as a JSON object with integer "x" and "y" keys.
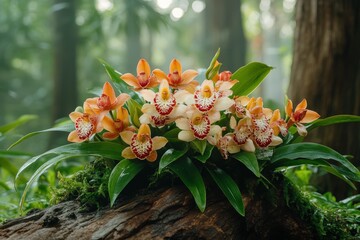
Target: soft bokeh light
{"x": 177, "y": 13}
{"x": 198, "y": 6}
{"x": 104, "y": 5}
{"x": 164, "y": 4}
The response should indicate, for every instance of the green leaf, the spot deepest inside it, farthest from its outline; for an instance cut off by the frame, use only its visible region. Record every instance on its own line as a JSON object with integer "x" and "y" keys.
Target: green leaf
{"x": 121, "y": 175}
{"x": 212, "y": 64}
{"x": 120, "y": 85}
{"x": 67, "y": 127}
{"x": 250, "y": 76}
{"x": 229, "y": 187}
{"x": 104, "y": 149}
{"x": 134, "y": 111}
{"x": 311, "y": 151}
{"x": 207, "y": 153}
{"x": 172, "y": 135}
{"x": 249, "y": 160}
{"x": 39, "y": 171}
{"x": 170, "y": 156}
{"x": 327, "y": 122}
{"x": 20, "y": 121}
{"x": 191, "y": 177}
{"x": 199, "y": 145}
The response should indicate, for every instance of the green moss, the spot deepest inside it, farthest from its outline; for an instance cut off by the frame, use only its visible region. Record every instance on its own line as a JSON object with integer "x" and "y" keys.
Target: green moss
{"x": 88, "y": 186}
{"x": 330, "y": 219}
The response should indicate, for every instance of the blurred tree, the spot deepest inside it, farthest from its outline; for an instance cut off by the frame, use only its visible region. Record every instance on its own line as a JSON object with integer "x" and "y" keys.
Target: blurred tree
{"x": 326, "y": 69}
{"x": 65, "y": 49}
{"x": 224, "y": 29}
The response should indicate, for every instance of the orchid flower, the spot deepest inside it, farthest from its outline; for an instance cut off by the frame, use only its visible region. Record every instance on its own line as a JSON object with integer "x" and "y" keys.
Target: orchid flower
{"x": 299, "y": 116}
{"x": 225, "y": 144}
{"x": 144, "y": 78}
{"x": 178, "y": 79}
{"x": 107, "y": 101}
{"x": 163, "y": 107}
{"x": 195, "y": 126}
{"x": 142, "y": 146}
{"x": 86, "y": 124}
{"x": 278, "y": 124}
{"x": 116, "y": 126}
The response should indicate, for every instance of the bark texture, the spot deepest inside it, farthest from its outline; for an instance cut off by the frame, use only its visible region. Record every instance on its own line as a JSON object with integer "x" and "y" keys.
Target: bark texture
{"x": 326, "y": 69}
{"x": 168, "y": 213}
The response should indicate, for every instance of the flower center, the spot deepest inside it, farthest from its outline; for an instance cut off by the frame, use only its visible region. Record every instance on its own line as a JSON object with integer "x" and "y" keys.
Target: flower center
{"x": 103, "y": 102}
{"x": 225, "y": 76}
{"x": 141, "y": 145}
{"x": 204, "y": 99}
{"x": 119, "y": 125}
{"x": 200, "y": 125}
{"x": 263, "y": 138}
{"x": 160, "y": 120}
{"x": 299, "y": 115}
{"x": 164, "y": 106}
{"x": 143, "y": 79}
{"x": 84, "y": 126}
{"x": 242, "y": 133}
{"x": 174, "y": 78}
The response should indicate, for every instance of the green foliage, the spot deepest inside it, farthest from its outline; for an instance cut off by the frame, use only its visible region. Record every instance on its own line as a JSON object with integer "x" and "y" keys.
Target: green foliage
{"x": 191, "y": 177}
{"x": 329, "y": 218}
{"x": 88, "y": 186}
{"x": 229, "y": 187}
{"x": 250, "y": 76}
{"x": 121, "y": 175}
{"x": 249, "y": 160}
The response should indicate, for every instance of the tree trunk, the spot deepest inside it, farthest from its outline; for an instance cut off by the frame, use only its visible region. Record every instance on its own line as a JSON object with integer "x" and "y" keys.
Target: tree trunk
{"x": 326, "y": 69}
{"x": 224, "y": 29}
{"x": 65, "y": 39}
{"x": 168, "y": 213}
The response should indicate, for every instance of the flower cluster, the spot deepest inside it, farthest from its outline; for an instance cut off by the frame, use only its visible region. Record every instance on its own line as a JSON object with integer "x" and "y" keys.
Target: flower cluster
{"x": 208, "y": 111}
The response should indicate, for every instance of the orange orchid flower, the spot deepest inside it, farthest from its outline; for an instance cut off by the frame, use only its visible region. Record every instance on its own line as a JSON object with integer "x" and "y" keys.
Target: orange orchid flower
{"x": 115, "y": 127}
{"x": 142, "y": 146}
{"x": 299, "y": 116}
{"x": 86, "y": 124}
{"x": 144, "y": 78}
{"x": 178, "y": 79}
{"x": 107, "y": 101}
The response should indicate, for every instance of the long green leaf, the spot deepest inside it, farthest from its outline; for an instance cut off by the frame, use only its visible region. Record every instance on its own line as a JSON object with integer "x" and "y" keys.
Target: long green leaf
{"x": 104, "y": 149}
{"x": 337, "y": 119}
{"x": 249, "y": 160}
{"x": 207, "y": 153}
{"x": 250, "y": 76}
{"x": 170, "y": 156}
{"x": 191, "y": 177}
{"x": 121, "y": 175}
{"x": 68, "y": 127}
{"x": 39, "y": 171}
{"x": 134, "y": 111}
{"x": 311, "y": 151}
{"x": 229, "y": 187}
{"x": 21, "y": 120}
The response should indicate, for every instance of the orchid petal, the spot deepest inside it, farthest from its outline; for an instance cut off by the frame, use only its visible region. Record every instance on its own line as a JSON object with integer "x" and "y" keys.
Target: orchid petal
{"x": 289, "y": 108}
{"x": 130, "y": 80}
{"x": 301, "y": 129}
{"x": 223, "y": 103}
{"x": 110, "y": 135}
{"x": 183, "y": 124}
{"x": 75, "y": 115}
{"x": 148, "y": 95}
{"x": 159, "y": 142}
{"x": 73, "y": 137}
{"x": 160, "y": 75}
{"x": 143, "y": 67}
{"x": 184, "y": 96}
{"x": 149, "y": 109}
{"x": 301, "y": 105}
{"x": 175, "y": 66}
{"x": 109, "y": 91}
{"x": 186, "y": 136}
{"x": 126, "y": 136}
{"x": 310, "y": 116}
{"x": 152, "y": 156}
{"x": 188, "y": 76}
{"x": 275, "y": 140}
{"x": 108, "y": 124}
{"x": 248, "y": 146}
{"x": 128, "y": 154}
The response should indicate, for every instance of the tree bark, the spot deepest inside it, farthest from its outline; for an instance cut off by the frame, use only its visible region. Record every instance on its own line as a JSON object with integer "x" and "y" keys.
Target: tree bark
{"x": 65, "y": 76}
{"x": 224, "y": 29}
{"x": 326, "y": 69}
{"x": 168, "y": 213}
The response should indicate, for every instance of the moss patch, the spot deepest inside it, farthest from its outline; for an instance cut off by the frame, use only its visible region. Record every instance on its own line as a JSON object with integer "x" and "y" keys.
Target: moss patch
{"x": 330, "y": 219}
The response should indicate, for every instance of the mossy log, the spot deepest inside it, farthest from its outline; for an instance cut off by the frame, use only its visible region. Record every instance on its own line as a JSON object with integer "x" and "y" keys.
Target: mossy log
{"x": 166, "y": 213}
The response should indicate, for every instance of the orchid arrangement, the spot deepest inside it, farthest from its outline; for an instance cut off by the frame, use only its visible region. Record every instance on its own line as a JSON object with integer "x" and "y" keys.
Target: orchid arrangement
{"x": 185, "y": 123}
